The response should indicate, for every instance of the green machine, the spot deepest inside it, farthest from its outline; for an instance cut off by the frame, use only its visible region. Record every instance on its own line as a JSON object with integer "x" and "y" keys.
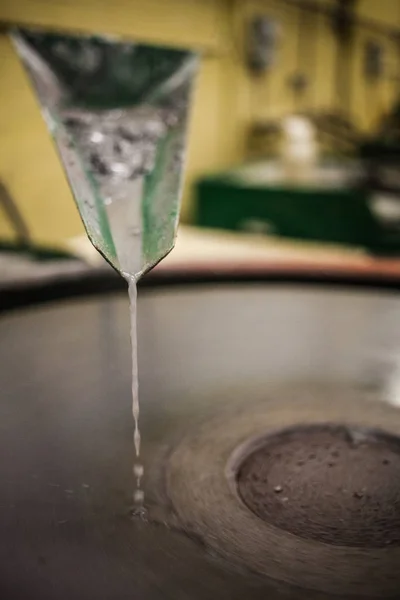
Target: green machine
{"x": 343, "y": 206}
{"x": 349, "y": 201}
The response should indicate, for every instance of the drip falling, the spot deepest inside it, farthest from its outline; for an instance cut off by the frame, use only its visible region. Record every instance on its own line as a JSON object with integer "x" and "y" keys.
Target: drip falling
{"x": 138, "y": 493}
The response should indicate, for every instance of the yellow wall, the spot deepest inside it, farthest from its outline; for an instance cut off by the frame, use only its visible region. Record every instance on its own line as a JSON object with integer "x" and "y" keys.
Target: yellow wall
{"x": 270, "y": 93}
{"x": 227, "y": 99}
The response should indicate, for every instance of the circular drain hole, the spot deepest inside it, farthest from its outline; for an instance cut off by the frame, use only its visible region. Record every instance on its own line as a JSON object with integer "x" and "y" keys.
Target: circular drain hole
{"x": 209, "y": 479}
{"x": 326, "y": 483}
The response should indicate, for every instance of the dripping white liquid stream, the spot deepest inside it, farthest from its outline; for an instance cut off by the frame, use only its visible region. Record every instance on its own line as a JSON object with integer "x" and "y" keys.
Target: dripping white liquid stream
{"x": 138, "y": 494}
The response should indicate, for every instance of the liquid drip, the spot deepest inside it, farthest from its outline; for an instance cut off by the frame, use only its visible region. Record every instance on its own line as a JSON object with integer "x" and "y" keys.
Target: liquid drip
{"x": 138, "y": 493}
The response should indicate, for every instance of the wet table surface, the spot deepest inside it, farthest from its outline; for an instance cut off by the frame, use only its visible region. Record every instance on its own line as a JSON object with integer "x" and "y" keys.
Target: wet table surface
{"x": 66, "y": 449}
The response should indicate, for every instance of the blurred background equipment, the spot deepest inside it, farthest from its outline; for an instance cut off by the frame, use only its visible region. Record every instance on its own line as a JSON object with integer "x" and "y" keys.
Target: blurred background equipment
{"x": 263, "y": 39}
{"x": 11, "y": 212}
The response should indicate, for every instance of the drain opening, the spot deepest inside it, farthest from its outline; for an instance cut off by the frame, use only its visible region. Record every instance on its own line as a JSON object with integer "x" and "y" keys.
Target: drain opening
{"x": 326, "y": 483}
